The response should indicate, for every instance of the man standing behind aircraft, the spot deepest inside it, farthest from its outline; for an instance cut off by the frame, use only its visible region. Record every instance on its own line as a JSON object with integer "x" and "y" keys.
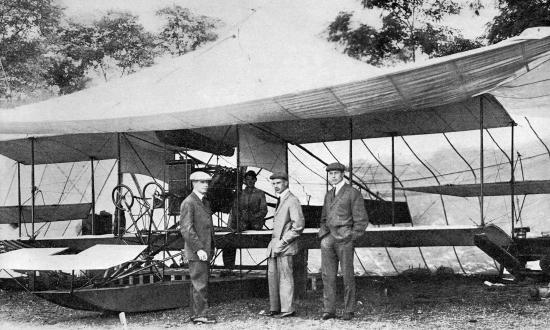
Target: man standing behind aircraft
{"x": 288, "y": 224}
{"x": 198, "y": 234}
{"x": 252, "y": 208}
{"x": 343, "y": 220}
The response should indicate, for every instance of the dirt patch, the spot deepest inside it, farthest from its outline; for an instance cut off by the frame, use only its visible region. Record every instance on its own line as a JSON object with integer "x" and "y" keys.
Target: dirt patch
{"x": 392, "y": 303}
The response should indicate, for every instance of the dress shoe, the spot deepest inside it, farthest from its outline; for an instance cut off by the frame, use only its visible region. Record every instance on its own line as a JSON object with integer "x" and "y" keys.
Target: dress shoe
{"x": 328, "y": 316}
{"x": 203, "y": 320}
{"x": 347, "y": 316}
{"x": 273, "y": 313}
{"x": 287, "y": 314}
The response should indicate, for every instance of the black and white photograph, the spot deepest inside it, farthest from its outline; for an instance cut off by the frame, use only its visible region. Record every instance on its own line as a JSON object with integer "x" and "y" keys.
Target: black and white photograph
{"x": 274, "y": 164}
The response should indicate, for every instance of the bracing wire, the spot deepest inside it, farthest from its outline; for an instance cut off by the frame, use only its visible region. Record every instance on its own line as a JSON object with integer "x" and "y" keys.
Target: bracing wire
{"x": 440, "y": 196}
{"x": 385, "y": 248}
{"x": 537, "y": 135}
{"x": 11, "y": 184}
{"x": 404, "y": 194}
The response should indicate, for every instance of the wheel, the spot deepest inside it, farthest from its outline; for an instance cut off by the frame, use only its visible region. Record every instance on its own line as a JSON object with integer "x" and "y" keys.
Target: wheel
{"x": 122, "y": 197}
{"x": 153, "y": 195}
{"x": 545, "y": 264}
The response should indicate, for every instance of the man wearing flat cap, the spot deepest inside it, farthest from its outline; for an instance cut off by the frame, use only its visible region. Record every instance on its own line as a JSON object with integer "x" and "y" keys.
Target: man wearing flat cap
{"x": 288, "y": 224}
{"x": 252, "y": 209}
{"x": 198, "y": 234}
{"x": 343, "y": 220}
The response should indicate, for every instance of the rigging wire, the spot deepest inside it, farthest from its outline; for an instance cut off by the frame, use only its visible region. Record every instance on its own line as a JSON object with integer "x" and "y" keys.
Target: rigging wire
{"x": 11, "y": 184}
{"x": 456, "y": 172}
{"x": 353, "y": 173}
{"x": 404, "y": 194}
{"x": 498, "y": 146}
{"x": 440, "y": 196}
{"x": 537, "y": 135}
{"x": 385, "y": 248}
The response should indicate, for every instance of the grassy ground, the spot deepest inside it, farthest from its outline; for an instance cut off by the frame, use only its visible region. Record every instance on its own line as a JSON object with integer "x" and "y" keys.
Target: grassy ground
{"x": 383, "y": 303}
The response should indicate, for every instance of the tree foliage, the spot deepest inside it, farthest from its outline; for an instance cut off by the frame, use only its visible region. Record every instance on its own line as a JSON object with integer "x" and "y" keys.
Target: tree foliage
{"x": 408, "y": 27}
{"x": 516, "y": 16}
{"x": 183, "y": 31}
{"x": 25, "y": 27}
{"x": 44, "y": 52}
{"x": 117, "y": 39}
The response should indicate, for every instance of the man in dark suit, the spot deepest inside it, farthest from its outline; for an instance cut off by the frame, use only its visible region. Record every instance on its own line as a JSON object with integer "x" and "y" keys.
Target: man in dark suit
{"x": 252, "y": 208}
{"x": 198, "y": 234}
{"x": 343, "y": 220}
{"x": 288, "y": 224}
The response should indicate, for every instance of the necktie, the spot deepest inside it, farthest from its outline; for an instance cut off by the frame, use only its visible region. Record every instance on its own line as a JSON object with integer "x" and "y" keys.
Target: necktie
{"x": 333, "y": 193}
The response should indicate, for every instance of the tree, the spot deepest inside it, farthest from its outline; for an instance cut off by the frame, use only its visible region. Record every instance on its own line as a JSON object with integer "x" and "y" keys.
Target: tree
{"x": 115, "y": 40}
{"x": 516, "y": 16}
{"x": 183, "y": 31}
{"x": 25, "y": 26}
{"x": 121, "y": 37}
{"x": 408, "y": 28}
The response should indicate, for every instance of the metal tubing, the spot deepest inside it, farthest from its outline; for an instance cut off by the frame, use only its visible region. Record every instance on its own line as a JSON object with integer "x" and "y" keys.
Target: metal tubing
{"x": 119, "y": 182}
{"x": 481, "y": 162}
{"x": 350, "y": 151}
{"x": 33, "y": 188}
{"x": 393, "y": 180}
{"x": 93, "y": 194}
{"x": 512, "y": 179}
{"x": 238, "y": 211}
{"x": 20, "y": 207}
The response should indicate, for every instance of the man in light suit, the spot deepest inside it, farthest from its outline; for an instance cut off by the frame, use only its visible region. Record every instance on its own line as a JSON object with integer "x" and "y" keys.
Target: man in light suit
{"x": 343, "y": 220}
{"x": 288, "y": 224}
{"x": 198, "y": 234}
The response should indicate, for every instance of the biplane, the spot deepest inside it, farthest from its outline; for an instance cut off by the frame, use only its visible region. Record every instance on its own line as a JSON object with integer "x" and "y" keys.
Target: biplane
{"x": 150, "y": 121}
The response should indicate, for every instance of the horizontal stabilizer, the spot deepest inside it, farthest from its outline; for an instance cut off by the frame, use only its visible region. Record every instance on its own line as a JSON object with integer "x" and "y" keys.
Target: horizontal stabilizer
{"x": 44, "y": 213}
{"x": 98, "y": 257}
{"x": 489, "y": 189}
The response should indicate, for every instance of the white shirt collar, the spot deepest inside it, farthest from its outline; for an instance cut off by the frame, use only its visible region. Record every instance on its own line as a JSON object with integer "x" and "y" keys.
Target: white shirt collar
{"x": 339, "y": 186}
{"x": 283, "y": 194}
{"x": 199, "y": 195}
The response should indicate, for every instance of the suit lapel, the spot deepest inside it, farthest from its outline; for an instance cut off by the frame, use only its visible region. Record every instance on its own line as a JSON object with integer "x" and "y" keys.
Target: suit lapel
{"x": 199, "y": 202}
{"x": 281, "y": 201}
{"x": 339, "y": 195}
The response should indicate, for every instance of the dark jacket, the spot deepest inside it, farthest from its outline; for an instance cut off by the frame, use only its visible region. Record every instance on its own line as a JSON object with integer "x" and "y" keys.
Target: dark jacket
{"x": 343, "y": 216}
{"x": 196, "y": 227}
{"x": 252, "y": 207}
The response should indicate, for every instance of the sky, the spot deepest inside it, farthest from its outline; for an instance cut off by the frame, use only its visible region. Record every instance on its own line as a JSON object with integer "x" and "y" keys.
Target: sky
{"x": 470, "y": 25}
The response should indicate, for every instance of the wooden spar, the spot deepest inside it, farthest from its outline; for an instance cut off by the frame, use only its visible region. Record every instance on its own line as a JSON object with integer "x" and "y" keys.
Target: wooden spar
{"x": 93, "y": 194}
{"x": 238, "y": 211}
{"x": 512, "y": 178}
{"x": 19, "y": 196}
{"x": 119, "y": 182}
{"x": 359, "y": 184}
{"x": 393, "y": 180}
{"x": 481, "y": 155}
{"x": 351, "y": 151}
{"x": 33, "y": 188}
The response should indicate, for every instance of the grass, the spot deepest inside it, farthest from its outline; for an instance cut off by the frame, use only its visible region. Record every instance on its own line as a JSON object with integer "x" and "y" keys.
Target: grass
{"x": 451, "y": 302}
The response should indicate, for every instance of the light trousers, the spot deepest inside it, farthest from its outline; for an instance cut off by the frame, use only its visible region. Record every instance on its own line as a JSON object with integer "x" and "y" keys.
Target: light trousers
{"x": 281, "y": 284}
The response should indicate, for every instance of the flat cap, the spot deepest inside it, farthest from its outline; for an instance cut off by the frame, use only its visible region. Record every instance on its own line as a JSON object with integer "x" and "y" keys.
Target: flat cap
{"x": 279, "y": 175}
{"x": 336, "y": 167}
{"x": 200, "y": 176}
{"x": 250, "y": 173}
